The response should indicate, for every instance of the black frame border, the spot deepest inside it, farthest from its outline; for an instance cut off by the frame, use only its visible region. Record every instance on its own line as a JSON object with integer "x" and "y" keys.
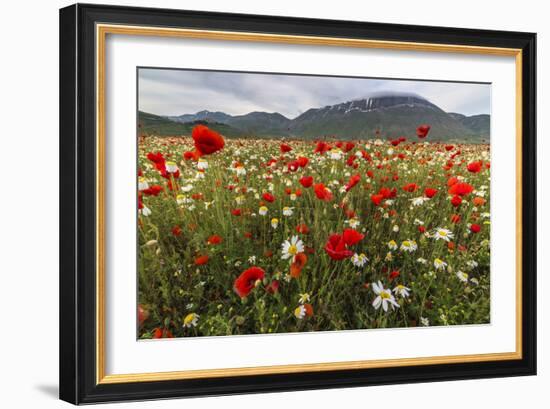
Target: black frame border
{"x": 78, "y": 197}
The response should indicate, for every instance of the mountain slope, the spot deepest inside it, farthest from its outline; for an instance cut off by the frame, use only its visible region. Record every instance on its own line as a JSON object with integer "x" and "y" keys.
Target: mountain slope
{"x": 261, "y": 124}
{"x": 162, "y": 126}
{"x": 390, "y": 114}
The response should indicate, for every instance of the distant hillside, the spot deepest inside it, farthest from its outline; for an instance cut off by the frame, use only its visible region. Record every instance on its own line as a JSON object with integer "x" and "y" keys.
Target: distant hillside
{"x": 162, "y": 126}
{"x": 261, "y": 124}
{"x": 479, "y": 124}
{"x": 392, "y": 114}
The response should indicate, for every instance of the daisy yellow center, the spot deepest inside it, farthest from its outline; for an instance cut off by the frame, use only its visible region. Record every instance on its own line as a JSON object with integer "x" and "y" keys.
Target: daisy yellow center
{"x": 292, "y": 249}
{"x": 189, "y": 318}
{"x": 385, "y": 295}
{"x": 442, "y": 233}
{"x": 400, "y": 287}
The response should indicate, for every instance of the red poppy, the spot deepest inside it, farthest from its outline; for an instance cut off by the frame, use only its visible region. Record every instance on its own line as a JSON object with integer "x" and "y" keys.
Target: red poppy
{"x": 323, "y": 192}
{"x": 475, "y": 167}
{"x": 461, "y": 189}
{"x": 293, "y": 166}
{"x": 479, "y": 201}
{"x": 336, "y": 248}
{"x": 393, "y": 275}
{"x": 247, "y": 281}
{"x": 410, "y": 187}
{"x": 421, "y": 229}
{"x": 176, "y": 230}
{"x": 388, "y": 193}
{"x": 352, "y": 237}
{"x": 268, "y": 197}
{"x": 302, "y": 228}
{"x": 475, "y": 228}
{"x": 429, "y": 192}
{"x": 272, "y": 287}
{"x": 298, "y": 264}
{"x": 449, "y": 148}
{"x": 306, "y": 181}
{"x": 455, "y": 218}
{"x": 153, "y": 190}
{"x": 158, "y": 160}
{"x": 162, "y": 333}
{"x": 349, "y": 146}
{"x": 201, "y": 260}
{"x": 285, "y": 148}
{"x": 309, "y": 309}
{"x": 214, "y": 240}
{"x": 353, "y": 180}
{"x": 456, "y": 200}
{"x": 206, "y": 140}
{"x": 452, "y": 181}
{"x": 236, "y": 212}
{"x": 322, "y": 147}
{"x": 302, "y": 161}
{"x": 376, "y": 199}
{"x": 188, "y": 155}
{"x": 422, "y": 131}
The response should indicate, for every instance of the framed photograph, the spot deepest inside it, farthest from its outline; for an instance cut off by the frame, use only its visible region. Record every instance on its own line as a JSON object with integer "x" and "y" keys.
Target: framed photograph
{"x": 257, "y": 203}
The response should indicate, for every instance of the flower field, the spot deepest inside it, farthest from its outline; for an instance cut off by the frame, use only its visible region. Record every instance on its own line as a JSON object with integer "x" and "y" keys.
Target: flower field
{"x": 243, "y": 236}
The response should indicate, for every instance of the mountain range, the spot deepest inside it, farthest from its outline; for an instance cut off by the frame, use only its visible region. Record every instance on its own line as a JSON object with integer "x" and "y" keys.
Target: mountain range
{"x": 392, "y": 114}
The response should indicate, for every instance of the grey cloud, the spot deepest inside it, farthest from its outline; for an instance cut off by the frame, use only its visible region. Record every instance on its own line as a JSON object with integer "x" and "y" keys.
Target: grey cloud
{"x": 175, "y": 92}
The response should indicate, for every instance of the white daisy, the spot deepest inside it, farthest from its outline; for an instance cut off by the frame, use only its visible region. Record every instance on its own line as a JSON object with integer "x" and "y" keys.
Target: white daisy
{"x": 336, "y": 154}
{"x": 353, "y": 222}
{"x": 145, "y": 211}
{"x": 409, "y": 245}
{"x": 392, "y": 245}
{"x": 143, "y": 184}
{"x": 292, "y": 247}
{"x": 471, "y": 264}
{"x": 419, "y": 201}
{"x": 439, "y": 264}
{"x": 462, "y": 276}
{"x": 274, "y": 222}
{"x": 384, "y": 297}
{"x": 191, "y": 320}
{"x": 443, "y": 234}
{"x": 263, "y": 210}
{"x": 171, "y": 167}
{"x": 287, "y": 211}
{"x": 424, "y": 321}
{"x": 401, "y": 290}
{"x": 304, "y": 298}
{"x": 359, "y": 260}
{"x": 421, "y": 260}
{"x": 300, "y": 312}
{"x": 202, "y": 164}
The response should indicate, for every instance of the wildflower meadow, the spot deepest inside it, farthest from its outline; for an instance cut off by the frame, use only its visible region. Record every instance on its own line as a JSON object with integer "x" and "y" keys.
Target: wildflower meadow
{"x": 256, "y": 236}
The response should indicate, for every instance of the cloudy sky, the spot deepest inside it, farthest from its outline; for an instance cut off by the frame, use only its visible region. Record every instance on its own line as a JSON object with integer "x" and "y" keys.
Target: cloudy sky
{"x": 176, "y": 92}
